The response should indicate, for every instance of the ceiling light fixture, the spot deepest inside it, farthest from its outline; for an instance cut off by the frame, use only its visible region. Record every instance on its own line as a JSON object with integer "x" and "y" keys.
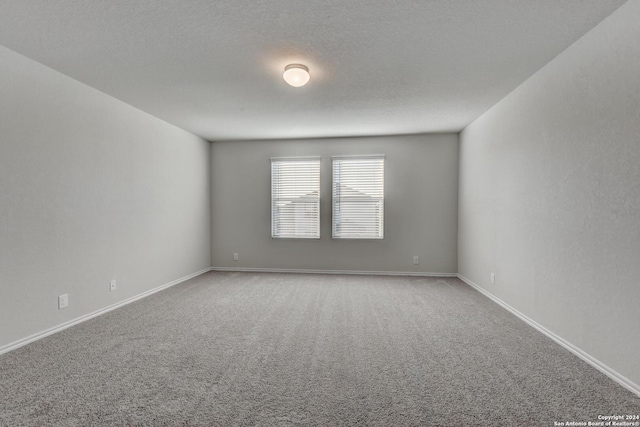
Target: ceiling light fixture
{"x": 296, "y": 75}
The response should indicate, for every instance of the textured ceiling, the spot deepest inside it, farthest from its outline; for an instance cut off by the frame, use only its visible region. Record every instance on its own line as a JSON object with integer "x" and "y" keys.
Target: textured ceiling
{"x": 378, "y": 66}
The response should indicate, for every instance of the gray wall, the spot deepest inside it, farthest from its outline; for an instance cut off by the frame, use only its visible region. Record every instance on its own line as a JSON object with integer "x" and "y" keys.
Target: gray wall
{"x": 420, "y": 206}
{"x": 91, "y": 190}
{"x": 550, "y": 195}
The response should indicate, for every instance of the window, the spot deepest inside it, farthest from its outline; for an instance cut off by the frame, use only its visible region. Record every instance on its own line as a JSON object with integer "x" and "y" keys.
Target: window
{"x": 358, "y": 197}
{"x": 295, "y": 198}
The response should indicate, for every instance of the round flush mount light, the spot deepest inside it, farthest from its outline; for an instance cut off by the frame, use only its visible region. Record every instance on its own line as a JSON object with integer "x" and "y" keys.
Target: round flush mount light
{"x": 296, "y": 75}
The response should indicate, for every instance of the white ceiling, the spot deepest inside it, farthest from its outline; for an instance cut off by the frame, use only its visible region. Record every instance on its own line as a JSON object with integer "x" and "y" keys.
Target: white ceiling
{"x": 378, "y": 66}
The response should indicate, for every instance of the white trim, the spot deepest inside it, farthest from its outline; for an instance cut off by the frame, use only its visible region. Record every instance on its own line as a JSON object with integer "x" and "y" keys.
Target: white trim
{"x": 620, "y": 379}
{"x": 28, "y": 340}
{"x": 357, "y": 272}
{"x": 358, "y": 156}
{"x": 295, "y": 158}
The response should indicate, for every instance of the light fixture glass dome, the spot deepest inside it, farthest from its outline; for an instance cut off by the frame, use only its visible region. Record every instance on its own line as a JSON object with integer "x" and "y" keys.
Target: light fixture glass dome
{"x": 296, "y": 75}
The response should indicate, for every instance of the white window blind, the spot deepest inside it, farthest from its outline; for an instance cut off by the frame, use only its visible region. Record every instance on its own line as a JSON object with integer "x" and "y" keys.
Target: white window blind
{"x": 358, "y": 197}
{"x": 295, "y": 198}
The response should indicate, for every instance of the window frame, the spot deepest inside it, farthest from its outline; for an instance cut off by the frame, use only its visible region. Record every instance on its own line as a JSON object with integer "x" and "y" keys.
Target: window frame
{"x": 381, "y": 200}
{"x": 274, "y": 201}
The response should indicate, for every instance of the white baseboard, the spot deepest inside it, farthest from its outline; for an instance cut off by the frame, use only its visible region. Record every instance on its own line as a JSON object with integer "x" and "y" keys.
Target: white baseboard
{"x": 620, "y": 379}
{"x": 357, "y": 272}
{"x": 24, "y": 341}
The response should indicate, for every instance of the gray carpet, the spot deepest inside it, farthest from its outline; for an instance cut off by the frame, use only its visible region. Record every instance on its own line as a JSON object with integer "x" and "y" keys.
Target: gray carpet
{"x": 290, "y": 349}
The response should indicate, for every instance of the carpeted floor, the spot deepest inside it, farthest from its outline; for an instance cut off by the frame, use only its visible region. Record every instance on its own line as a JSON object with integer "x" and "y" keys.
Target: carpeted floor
{"x": 229, "y": 349}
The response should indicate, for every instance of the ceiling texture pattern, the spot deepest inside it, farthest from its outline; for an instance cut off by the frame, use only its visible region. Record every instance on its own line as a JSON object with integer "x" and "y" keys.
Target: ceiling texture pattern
{"x": 214, "y": 68}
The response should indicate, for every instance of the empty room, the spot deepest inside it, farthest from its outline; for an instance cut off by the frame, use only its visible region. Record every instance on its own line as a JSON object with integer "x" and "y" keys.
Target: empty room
{"x": 322, "y": 213}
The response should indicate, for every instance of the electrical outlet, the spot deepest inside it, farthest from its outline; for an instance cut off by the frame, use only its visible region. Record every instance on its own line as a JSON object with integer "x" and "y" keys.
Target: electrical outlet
{"x": 63, "y": 301}
{"x": 493, "y": 278}
{"x": 416, "y": 260}
{"x": 235, "y": 256}
{"x": 112, "y": 285}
